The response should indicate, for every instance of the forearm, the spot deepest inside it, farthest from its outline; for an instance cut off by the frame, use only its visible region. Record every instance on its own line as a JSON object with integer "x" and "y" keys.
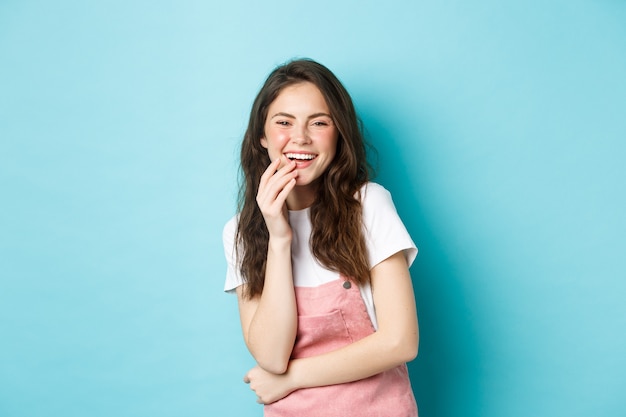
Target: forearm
{"x": 369, "y": 356}
{"x": 272, "y": 330}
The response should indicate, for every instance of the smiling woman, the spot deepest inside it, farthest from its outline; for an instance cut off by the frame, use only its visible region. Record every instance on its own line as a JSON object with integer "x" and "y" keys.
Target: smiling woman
{"x": 300, "y": 129}
{"x": 310, "y": 226}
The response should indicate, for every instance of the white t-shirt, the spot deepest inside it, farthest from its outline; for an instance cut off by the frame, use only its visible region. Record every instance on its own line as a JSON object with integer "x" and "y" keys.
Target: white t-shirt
{"x": 385, "y": 235}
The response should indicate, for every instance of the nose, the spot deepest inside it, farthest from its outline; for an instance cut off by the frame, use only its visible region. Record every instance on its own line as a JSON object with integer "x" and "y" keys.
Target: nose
{"x": 300, "y": 136}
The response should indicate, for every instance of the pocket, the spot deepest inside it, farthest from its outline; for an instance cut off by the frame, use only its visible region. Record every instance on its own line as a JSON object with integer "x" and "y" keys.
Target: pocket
{"x": 320, "y": 334}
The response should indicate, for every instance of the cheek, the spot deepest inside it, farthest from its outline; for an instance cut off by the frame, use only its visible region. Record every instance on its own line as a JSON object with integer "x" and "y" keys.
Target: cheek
{"x": 275, "y": 144}
{"x": 330, "y": 143}
{"x": 277, "y": 140}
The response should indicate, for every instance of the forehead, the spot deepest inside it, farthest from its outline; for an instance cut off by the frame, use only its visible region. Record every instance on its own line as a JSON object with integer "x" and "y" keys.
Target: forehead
{"x": 303, "y": 96}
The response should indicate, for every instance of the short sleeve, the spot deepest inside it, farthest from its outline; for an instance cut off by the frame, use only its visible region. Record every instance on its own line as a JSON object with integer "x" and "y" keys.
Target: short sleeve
{"x": 385, "y": 233}
{"x": 233, "y": 277}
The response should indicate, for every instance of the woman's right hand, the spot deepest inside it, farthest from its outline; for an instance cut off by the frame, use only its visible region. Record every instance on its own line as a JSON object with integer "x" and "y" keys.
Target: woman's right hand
{"x": 275, "y": 185}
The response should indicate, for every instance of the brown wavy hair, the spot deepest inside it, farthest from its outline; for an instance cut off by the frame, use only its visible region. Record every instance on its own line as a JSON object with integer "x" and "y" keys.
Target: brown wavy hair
{"x": 337, "y": 239}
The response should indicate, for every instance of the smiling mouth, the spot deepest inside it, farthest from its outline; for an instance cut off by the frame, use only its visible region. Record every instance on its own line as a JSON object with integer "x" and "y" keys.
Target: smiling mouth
{"x": 300, "y": 156}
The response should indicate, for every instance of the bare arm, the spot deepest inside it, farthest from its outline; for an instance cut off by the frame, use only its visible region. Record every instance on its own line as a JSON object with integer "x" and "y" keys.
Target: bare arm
{"x": 269, "y": 321}
{"x": 395, "y": 342}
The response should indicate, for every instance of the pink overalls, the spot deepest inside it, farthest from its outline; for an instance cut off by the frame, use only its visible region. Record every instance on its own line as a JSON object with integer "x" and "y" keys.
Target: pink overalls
{"x": 331, "y": 316}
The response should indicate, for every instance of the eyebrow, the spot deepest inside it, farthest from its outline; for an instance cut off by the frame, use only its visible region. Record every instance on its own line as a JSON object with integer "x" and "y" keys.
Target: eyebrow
{"x": 291, "y": 116}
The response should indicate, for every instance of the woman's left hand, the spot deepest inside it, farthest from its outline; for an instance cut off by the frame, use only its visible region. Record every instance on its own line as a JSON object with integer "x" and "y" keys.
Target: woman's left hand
{"x": 268, "y": 387}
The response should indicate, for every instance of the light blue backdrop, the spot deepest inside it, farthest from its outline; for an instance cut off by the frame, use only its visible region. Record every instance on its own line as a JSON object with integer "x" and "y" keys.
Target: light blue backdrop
{"x": 501, "y": 132}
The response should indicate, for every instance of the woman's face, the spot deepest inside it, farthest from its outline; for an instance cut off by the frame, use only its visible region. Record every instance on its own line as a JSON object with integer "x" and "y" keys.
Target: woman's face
{"x": 299, "y": 127}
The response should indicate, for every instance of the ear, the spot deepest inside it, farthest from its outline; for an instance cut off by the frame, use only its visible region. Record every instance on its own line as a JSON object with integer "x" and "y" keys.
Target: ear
{"x": 264, "y": 142}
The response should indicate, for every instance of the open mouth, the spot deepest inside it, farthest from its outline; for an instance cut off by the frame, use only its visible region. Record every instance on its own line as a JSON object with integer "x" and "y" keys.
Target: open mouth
{"x": 300, "y": 156}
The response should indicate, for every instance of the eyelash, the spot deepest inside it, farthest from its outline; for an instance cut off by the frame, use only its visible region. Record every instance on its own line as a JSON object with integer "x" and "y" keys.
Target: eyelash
{"x": 286, "y": 123}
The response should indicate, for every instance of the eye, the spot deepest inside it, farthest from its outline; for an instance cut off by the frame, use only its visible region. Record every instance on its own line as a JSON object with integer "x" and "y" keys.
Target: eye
{"x": 320, "y": 123}
{"x": 282, "y": 123}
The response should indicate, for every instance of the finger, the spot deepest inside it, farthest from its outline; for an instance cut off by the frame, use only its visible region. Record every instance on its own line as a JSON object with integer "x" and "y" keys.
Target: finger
{"x": 282, "y": 196}
{"x": 275, "y": 203}
{"x": 270, "y": 171}
{"x": 270, "y": 187}
{"x": 285, "y": 166}
{"x": 272, "y": 178}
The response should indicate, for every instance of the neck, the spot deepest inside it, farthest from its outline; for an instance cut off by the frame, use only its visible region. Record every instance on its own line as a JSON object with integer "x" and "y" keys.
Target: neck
{"x": 301, "y": 197}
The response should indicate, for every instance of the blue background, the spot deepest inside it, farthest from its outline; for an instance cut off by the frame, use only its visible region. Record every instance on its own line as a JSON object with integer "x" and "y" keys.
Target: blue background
{"x": 501, "y": 133}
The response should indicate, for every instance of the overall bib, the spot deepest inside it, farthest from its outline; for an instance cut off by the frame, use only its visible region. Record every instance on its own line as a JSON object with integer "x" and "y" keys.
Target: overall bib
{"x": 331, "y": 316}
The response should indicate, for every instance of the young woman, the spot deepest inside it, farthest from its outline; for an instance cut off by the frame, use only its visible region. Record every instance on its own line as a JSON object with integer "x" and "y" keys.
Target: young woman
{"x": 319, "y": 258}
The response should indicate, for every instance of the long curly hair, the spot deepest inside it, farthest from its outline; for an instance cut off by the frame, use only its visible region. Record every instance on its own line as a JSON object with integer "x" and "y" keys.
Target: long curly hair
{"x": 337, "y": 239}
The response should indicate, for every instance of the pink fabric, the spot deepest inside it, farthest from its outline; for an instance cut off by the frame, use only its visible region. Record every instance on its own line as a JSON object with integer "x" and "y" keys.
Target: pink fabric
{"x": 329, "y": 317}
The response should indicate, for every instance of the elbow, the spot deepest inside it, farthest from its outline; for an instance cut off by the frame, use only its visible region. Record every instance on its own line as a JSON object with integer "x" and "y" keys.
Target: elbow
{"x": 413, "y": 349}
{"x": 411, "y": 352}
{"x": 273, "y": 359}
{"x": 276, "y": 367}
{"x": 274, "y": 363}
{"x": 405, "y": 349}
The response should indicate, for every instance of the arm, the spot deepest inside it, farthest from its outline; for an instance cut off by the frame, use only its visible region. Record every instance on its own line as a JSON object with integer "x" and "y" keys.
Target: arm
{"x": 269, "y": 321}
{"x": 395, "y": 342}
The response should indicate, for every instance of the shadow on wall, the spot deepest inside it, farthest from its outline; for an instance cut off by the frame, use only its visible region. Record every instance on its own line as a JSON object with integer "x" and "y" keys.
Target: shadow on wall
{"x": 444, "y": 375}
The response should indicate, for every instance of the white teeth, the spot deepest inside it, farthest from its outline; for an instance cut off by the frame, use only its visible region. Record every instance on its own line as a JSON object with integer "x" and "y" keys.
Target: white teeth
{"x": 299, "y": 156}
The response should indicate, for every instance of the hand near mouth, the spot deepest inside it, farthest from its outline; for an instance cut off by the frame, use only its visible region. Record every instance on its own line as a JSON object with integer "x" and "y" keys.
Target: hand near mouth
{"x": 275, "y": 185}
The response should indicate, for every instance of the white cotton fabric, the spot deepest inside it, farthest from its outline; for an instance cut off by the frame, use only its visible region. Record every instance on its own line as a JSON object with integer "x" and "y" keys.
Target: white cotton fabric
{"x": 385, "y": 235}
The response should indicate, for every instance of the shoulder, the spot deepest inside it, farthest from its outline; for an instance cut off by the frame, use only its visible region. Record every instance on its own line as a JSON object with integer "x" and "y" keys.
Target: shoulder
{"x": 231, "y": 224}
{"x": 374, "y": 195}
{"x": 233, "y": 278}
{"x": 230, "y": 230}
{"x": 385, "y": 233}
